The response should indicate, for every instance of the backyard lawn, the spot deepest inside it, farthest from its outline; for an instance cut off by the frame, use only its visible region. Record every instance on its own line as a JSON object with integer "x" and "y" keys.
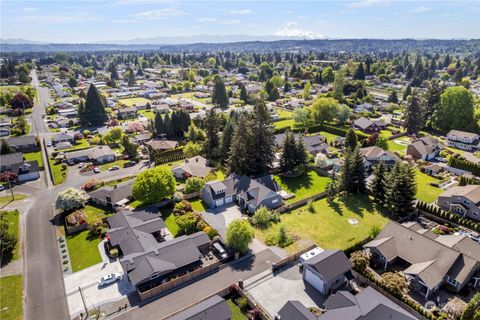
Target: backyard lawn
{"x": 425, "y": 191}
{"x": 12, "y": 218}
{"x": 59, "y": 175}
{"x": 95, "y": 213}
{"x": 32, "y": 156}
{"x": 329, "y": 226}
{"x": 237, "y": 314}
{"x": 169, "y": 219}
{"x": 83, "y": 250}
{"x": 11, "y": 298}
{"x": 134, "y": 101}
{"x": 304, "y": 186}
{"x": 284, "y": 124}
{"x": 149, "y": 114}
{"x": 283, "y": 113}
{"x": 329, "y": 136}
{"x": 198, "y": 205}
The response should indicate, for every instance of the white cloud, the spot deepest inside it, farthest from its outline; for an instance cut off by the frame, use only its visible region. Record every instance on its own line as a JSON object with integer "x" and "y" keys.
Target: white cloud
{"x": 227, "y": 22}
{"x": 214, "y": 20}
{"x": 421, "y": 9}
{"x": 366, "y": 4}
{"x": 293, "y": 30}
{"x": 120, "y": 21}
{"x": 57, "y": 19}
{"x": 206, "y": 19}
{"x": 30, "y": 9}
{"x": 162, "y": 13}
{"x": 241, "y": 12}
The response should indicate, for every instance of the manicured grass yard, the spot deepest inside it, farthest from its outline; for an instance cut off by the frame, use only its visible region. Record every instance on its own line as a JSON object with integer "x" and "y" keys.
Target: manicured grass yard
{"x": 137, "y": 101}
{"x": 425, "y": 191}
{"x": 95, "y": 213}
{"x": 304, "y": 186}
{"x": 83, "y": 250}
{"x": 106, "y": 166}
{"x": 59, "y": 175}
{"x": 169, "y": 219}
{"x": 7, "y": 199}
{"x": 198, "y": 205}
{"x": 11, "y": 305}
{"x": 284, "y": 124}
{"x": 12, "y": 218}
{"x": 329, "y": 136}
{"x": 328, "y": 226}
{"x": 32, "y": 156}
{"x": 283, "y": 113}
{"x": 236, "y": 312}
{"x": 149, "y": 114}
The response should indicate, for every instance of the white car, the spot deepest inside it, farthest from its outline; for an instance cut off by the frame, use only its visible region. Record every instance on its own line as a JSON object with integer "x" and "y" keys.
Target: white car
{"x": 109, "y": 278}
{"x": 80, "y": 165}
{"x": 96, "y": 170}
{"x": 2, "y": 187}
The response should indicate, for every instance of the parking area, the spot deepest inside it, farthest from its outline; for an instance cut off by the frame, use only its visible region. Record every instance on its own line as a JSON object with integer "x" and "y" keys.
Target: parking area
{"x": 273, "y": 291}
{"x": 220, "y": 218}
{"x": 87, "y": 280}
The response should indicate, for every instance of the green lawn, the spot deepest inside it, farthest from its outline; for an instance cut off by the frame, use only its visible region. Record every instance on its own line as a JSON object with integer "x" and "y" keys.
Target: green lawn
{"x": 149, "y": 114}
{"x": 95, "y": 213}
{"x": 112, "y": 183}
{"x": 283, "y": 113}
{"x": 329, "y": 136}
{"x": 83, "y": 250}
{"x": 198, "y": 205}
{"x": 12, "y": 218}
{"x": 284, "y": 124}
{"x": 328, "y": 226}
{"x": 59, "y": 175}
{"x": 134, "y": 101}
{"x": 237, "y": 314}
{"x": 7, "y": 199}
{"x": 169, "y": 219}
{"x": 32, "y": 156}
{"x": 304, "y": 186}
{"x": 11, "y": 298}
{"x": 425, "y": 191}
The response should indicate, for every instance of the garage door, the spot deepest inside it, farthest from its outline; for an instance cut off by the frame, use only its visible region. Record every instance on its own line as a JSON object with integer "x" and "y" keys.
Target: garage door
{"x": 228, "y": 199}
{"x": 315, "y": 281}
{"x": 219, "y": 203}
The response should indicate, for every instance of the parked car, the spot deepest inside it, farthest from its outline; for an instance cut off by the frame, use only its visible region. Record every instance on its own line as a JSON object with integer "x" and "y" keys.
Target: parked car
{"x": 129, "y": 164}
{"x": 109, "y": 278}
{"x": 220, "y": 250}
{"x": 113, "y": 168}
{"x": 2, "y": 187}
{"x": 80, "y": 165}
{"x": 49, "y": 143}
{"x": 96, "y": 170}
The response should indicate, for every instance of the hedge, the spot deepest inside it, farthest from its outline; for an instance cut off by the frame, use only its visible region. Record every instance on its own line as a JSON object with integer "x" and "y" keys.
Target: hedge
{"x": 327, "y": 128}
{"x": 472, "y": 309}
{"x": 463, "y": 164}
{"x": 447, "y": 215}
{"x": 168, "y": 156}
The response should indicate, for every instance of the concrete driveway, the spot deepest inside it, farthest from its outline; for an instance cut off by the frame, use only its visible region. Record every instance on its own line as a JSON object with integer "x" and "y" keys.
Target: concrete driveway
{"x": 87, "y": 280}
{"x": 220, "y": 218}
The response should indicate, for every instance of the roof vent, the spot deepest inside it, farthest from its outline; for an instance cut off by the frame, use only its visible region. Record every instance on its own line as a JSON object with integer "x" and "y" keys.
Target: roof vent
{"x": 156, "y": 251}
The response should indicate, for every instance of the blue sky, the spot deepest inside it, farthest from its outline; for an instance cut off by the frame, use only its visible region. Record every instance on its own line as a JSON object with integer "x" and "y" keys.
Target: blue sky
{"x": 91, "y": 21}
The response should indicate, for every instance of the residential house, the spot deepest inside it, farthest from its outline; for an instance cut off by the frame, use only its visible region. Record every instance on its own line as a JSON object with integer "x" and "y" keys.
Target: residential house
{"x": 213, "y": 308}
{"x": 428, "y": 260}
{"x": 368, "y": 126}
{"x": 327, "y": 270}
{"x": 112, "y": 196}
{"x": 25, "y": 170}
{"x": 127, "y": 113}
{"x": 373, "y": 155}
{"x": 425, "y": 148}
{"x": 463, "y": 140}
{"x": 97, "y": 154}
{"x": 62, "y": 137}
{"x": 364, "y": 107}
{"x": 161, "y": 144}
{"x": 433, "y": 169}
{"x": 248, "y": 193}
{"x": 313, "y": 144}
{"x": 462, "y": 200}
{"x": 4, "y": 132}
{"x": 193, "y": 167}
{"x": 162, "y": 108}
{"x": 23, "y": 144}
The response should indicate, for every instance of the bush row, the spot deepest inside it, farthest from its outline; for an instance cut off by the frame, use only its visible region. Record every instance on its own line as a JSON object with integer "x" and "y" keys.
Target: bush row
{"x": 463, "y": 164}
{"x": 342, "y": 132}
{"x": 447, "y": 215}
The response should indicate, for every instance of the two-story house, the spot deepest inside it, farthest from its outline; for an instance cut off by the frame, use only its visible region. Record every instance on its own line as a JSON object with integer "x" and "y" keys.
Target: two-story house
{"x": 425, "y": 148}
{"x": 374, "y": 155}
{"x": 463, "y": 140}
{"x": 463, "y": 200}
{"x": 368, "y": 126}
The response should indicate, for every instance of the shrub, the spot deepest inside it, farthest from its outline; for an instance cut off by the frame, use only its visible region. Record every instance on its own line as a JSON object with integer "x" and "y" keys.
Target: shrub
{"x": 77, "y": 218}
{"x": 284, "y": 240}
{"x": 182, "y": 207}
{"x": 187, "y": 222}
{"x": 211, "y": 233}
{"x": 263, "y": 217}
{"x": 194, "y": 184}
{"x": 242, "y": 303}
{"x": 113, "y": 253}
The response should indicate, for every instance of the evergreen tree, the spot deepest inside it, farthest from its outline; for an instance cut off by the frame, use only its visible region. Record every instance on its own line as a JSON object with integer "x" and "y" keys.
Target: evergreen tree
{"x": 243, "y": 93}
{"x": 360, "y": 72}
{"x": 401, "y": 189}
{"x": 301, "y": 156}
{"x": 351, "y": 140}
{"x": 159, "y": 125}
{"x": 378, "y": 186}
{"x": 287, "y": 87}
{"x": 219, "y": 96}
{"x": 130, "y": 75}
{"x": 5, "y": 147}
{"x": 432, "y": 100}
{"x": 95, "y": 107}
{"x": 129, "y": 147}
{"x": 263, "y": 146}
{"x": 211, "y": 128}
{"x": 318, "y": 78}
{"x": 82, "y": 117}
{"x": 227, "y": 136}
{"x": 288, "y": 153}
{"x": 169, "y": 131}
{"x": 352, "y": 174}
{"x": 408, "y": 92}
{"x": 240, "y": 160}
{"x": 393, "y": 98}
{"x": 413, "y": 114}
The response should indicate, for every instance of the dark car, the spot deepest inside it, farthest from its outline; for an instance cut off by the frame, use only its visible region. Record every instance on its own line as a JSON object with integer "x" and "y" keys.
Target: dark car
{"x": 129, "y": 164}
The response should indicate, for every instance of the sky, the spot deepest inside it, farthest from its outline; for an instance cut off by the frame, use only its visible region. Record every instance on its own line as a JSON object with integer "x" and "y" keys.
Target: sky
{"x": 80, "y": 21}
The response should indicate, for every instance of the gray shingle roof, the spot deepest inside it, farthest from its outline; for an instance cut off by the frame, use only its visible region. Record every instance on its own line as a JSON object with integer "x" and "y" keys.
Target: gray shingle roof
{"x": 214, "y": 308}
{"x": 7, "y": 160}
{"x": 116, "y": 193}
{"x": 295, "y": 310}
{"x": 16, "y": 142}
{"x": 330, "y": 264}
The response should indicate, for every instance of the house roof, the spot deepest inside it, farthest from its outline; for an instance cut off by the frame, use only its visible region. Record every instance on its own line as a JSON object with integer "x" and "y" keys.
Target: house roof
{"x": 330, "y": 264}
{"x": 375, "y": 152}
{"x": 367, "y": 305}
{"x": 430, "y": 260}
{"x": 16, "y": 142}
{"x": 7, "y": 160}
{"x": 295, "y": 310}
{"x": 116, "y": 193}
{"x": 213, "y": 308}
{"x": 471, "y": 192}
{"x": 92, "y": 153}
{"x": 363, "y": 123}
{"x": 62, "y": 136}
{"x": 158, "y": 144}
{"x": 463, "y": 134}
{"x": 196, "y": 166}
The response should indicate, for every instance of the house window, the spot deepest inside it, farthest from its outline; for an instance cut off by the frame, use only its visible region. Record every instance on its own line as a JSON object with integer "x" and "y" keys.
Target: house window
{"x": 465, "y": 201}
{"x": 154, "y": 276}
{"x": 452, "y": 281}
{"x": 475, "y": 213}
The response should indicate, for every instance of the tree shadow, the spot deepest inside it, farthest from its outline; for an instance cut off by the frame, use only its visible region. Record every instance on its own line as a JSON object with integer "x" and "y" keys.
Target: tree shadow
{"x": 358, "y": 203}
{"x": 295, "y": 183}
{"x": 245, "y": 263}
{"x": 335, "y": 206}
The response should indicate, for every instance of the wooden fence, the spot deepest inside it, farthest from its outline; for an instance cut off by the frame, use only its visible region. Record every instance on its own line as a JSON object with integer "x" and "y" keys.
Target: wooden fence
{"x": 291, "y": 258}
{"x": 302, "y": 202}
{"x": 192, "y": 195}
{"x": 176, "y": 283}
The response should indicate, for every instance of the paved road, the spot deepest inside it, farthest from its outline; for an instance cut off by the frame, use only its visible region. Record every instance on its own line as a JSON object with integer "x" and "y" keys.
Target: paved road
{"x": 39, "y": 127}
{"x": 184, "y": 297}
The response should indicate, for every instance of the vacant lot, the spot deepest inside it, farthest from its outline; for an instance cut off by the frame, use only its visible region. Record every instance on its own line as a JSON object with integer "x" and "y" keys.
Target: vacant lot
{"x": 425, "y": 191}
{"x": 329, "y": 226}
{"x": 83, "y": 250}
{"x": 11, "y": 298}
{"x": 304, "y": 186}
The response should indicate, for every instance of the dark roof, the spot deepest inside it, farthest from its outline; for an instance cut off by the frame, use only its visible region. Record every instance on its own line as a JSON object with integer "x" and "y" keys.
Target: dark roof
{"x": 295, "y": 310}
{"x": 62, "y": 136}
{"x": 16, "y": 142}
{"x": 214, "y": 308}
{"x": 7, "y": 160}
{"x": 367, "y": 305}
{"x": 116, "y": 193}
{"x": 25, "y": 167}
{"x": 330, "y": 264}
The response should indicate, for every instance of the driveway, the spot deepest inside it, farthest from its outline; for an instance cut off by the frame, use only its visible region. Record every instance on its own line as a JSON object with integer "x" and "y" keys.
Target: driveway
{"x": 273, "y": 291}
{"x": 220, "y": 218}
{"x": 87, "y": 280}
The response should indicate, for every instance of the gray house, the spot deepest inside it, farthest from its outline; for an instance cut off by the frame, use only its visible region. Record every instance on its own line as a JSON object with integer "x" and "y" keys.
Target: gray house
{"x": 111, "y": 197}
{"x": 23, "y": 143}
{"x": 462, "y": 200}
{"x": 426, "y": 148}
{"x": 463, "y": 140}
{"x": 213, "y": 308}
{"x": 327, "y": 270}
{"x": 25, "y": 170}
{"x": 248, "y": 193}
